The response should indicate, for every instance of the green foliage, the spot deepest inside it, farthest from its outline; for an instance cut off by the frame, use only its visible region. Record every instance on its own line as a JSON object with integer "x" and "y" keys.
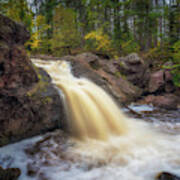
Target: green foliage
{"x": 176, "y": 60}
{"x": 160, "y": 54}
{"x": 110, "y": 26}
{"x": 65, "y": 33}
{"x": 98, "y": 40}
{"x": 174, "y": 56}
{"x": 176, "y": 52}
{"x": 129, "y": 47}
{"x": 39, "y": 41}
{"x": 18, "y": 11}
{"x": 175, "y": 71}
{"x": 176, "y": 75}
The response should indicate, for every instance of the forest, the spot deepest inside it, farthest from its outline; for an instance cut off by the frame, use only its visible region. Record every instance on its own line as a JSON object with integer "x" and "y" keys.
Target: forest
{"x": 112, "y": 27}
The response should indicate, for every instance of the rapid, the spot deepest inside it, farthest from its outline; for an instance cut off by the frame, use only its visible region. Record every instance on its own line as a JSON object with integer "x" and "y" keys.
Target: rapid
{"x": 104, "y": 143}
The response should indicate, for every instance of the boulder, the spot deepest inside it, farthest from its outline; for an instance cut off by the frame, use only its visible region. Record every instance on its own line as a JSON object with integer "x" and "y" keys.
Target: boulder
{"x": 29, "y": 103}
{"x": 156, "y": 82}
{"x": 9, "y": 173}
{"x": 90, "y": 58}
{"x": 167, "y": 101}
{"x": 161, "y": 81}
{"x": 167, "y": 176}
{"x": 135, "y": 69}
{"x": 111, "y": 67}
{"x": 96, "y": 63}
{"x": 118, "y": 87}
{"x": 11, "y": 32}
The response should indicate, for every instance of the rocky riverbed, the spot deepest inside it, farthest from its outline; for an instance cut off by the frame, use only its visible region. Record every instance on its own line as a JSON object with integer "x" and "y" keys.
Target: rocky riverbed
{"x": 57, "y": 156}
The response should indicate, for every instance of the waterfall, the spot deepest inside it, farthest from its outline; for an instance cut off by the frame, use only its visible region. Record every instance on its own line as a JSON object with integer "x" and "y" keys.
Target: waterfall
{"x": 113, "y": 147}
{"x": 91, "y": 112}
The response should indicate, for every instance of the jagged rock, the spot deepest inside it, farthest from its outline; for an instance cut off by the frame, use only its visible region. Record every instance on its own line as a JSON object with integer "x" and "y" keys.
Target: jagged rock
{"x": 134, "y": 68}
{"x": 118, "y": 87}
{"x": 161, "y": 81}
{"x": 90, "y": 58}
{"x": 11, "y": 32}
{"x": 167, "y": 176}
{"x": 9, "y": 174}
{"x": 29, "y": 103}
{"x": 167, "y": 101}
{"x": 110, "y": 67}
{"x": 156, "y": 82}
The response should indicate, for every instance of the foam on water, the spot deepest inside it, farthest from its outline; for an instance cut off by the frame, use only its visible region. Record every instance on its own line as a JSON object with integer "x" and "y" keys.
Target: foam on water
{"x": 137, "y": 151}
{"x": 13, "y": 156}
{"x": 125, "y": 157}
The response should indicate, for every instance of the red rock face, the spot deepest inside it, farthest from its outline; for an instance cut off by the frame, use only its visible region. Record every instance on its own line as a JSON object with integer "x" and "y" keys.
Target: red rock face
{"x": 28, "y": 105}
{"x": 156, "y": 81}
{"x": 135, "y": 69}
{"x": 121, "y": 89}
{"x": 161, "y": 81}
{"x": 17, "y": 70}
{"x": 167, "y": 101}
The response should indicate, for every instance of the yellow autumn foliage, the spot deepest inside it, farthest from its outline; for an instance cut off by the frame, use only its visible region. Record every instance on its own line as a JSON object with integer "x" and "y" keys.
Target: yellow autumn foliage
{"x": 38, "y": 35}
{"x": 35, "y": 41}
{"x": 100, "y": 40}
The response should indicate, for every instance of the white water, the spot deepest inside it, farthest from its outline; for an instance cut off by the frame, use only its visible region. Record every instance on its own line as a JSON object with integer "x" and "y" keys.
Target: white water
{"x": 138, "y": 154}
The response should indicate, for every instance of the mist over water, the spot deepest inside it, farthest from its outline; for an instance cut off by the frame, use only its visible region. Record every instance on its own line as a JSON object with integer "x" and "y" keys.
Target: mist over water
{"x": 104, "y": 144}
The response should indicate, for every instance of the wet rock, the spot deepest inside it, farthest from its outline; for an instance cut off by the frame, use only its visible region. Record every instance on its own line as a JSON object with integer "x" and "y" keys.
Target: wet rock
{"x": 148, "y": 99}
{"x": 167, "y": 176}
{"x": 9, "y": 173}
{"x": 134, "y": 68}
{"x": 167, "y": 101}
{"x": 156, "y": 82}
{"x": 44, "y": 75}
{"x": 29, "y": 103}
{"x": 42, "y": 176}
{"x": 104, "y": 73}
{"x": 32, "y": 170}
{"x": 118, "y": 87}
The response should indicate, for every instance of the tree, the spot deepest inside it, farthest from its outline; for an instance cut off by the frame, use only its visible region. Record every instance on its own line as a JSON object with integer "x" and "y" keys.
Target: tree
{"x": 39, "y": 41}
{"x": 65, "y": 34}
{"x": 18, "y": 11}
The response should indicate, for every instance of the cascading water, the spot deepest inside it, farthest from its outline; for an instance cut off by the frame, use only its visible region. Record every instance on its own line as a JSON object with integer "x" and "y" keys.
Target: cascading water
{"x": 113, "y": 147}
{"x": 91, "y": 112}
